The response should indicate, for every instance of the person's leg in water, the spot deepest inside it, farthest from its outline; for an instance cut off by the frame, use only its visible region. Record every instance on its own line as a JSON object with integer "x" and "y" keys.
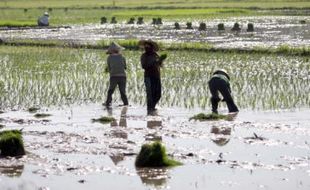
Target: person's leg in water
{"x": 113, "y": 83}
{"x": 215, "y": 99}
{"x": 156, "y": 90}
{"x": 149, "y": 94}
{"x": 226, "y": 93}
{"x": 122, "y": 90}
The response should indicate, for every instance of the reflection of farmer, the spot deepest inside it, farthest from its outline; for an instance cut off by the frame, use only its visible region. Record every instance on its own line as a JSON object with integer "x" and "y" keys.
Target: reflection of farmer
{"x": 43, "y": 20}
{"x": 222, "y": 135}
{"x": 151, "y": 63}
{"x": 116, "y": 68}
{"x": 220, "y": 83}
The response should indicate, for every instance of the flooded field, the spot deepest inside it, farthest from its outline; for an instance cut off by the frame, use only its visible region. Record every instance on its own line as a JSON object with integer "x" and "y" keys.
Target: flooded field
{"x": 268, "y": 32}
{"x": 265, "y": 146}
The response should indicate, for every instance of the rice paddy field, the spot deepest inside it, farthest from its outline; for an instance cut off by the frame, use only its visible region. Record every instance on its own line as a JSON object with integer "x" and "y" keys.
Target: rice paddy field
{"x": 53, "y": 83}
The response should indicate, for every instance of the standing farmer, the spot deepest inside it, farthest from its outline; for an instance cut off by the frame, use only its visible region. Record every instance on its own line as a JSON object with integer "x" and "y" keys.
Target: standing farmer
{"x": 219, "y": 82}
{"x": 116, "y": 67}
{"x": 151, "y": 62}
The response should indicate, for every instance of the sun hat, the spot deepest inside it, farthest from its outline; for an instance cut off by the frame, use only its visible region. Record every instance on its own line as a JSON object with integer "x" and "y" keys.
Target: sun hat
{"x": 223, "y": 72}
{"x": 149, "y": 42}
{"x": 114, "y": 47}
{"x": 46, "y": 14}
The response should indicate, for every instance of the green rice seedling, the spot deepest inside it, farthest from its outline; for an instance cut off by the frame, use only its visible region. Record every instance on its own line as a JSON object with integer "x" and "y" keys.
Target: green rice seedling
{"x": 202, "y": 27}
{"x": 25, "y": 10}
{"x": 177, "y": 26}
{"x": 303, "y": 22}
{"x": 208, "y": 117}
{"x": 140, "y": 20}
{"x": 250, "y": 27}
{"x": 220, "y": 27}
{"x": 154, "y": 21}
{"x": 189, "y": 25}
{"x": 103, "y": 20}
{"x": 104, "y": 120}
{"x": 33, "y": 109}
{"x": 131, "y": 21}
{"x": 113, "y": 20}
{"x": 42, "y": 115}
{"x": 154, "y": 155}
{"x": 11, "y": 143}
{"x": 236, "y": 27}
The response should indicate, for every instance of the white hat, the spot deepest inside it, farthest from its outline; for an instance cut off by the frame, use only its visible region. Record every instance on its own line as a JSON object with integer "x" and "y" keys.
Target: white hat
{"x": 46, "y": 13}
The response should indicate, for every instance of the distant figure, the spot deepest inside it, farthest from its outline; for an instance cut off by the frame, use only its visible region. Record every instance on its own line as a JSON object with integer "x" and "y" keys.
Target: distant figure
{"x": 43, "y": 20}
{"x": 219, "y": 82}
{"x": 116, "y": 67}
{"x": 151, "y": 62}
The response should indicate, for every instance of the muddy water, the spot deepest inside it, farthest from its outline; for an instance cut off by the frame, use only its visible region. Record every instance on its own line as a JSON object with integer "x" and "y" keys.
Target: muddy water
{"x": 269, "y": 32}
{"x": 257, "y": 150}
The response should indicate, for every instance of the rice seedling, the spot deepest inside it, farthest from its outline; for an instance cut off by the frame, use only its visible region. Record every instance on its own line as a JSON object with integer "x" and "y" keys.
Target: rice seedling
{"x": 189, "y": 26}
{"x": 220, "y": 27}
{"x": 131, "y": 21}
{"x": 103, "y": 20}
{"x": 236, "y": 27}
{"x": 11, "y": 143}
{"x": 250, "y": 27}
{"x": 104, "y": 120}
{"x": 42, "y": 115}
{"x": 154, "y": 155}
{"x": 202, "y": 27}
{"x": 33, "y": 109}
{"x": 177, "y": 26}
{"x": 208, "y": 117}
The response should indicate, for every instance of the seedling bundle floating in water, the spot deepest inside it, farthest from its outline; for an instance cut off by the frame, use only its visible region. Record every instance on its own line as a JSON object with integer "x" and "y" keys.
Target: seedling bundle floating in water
{"x": 104, "y": 119}
{"x": 11, "y": 143}
{"x": 208, "y": 117}
{"x": 154, "y": 155}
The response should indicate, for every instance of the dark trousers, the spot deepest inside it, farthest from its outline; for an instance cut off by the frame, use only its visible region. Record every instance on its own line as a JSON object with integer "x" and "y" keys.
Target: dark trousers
{"x": 216, "y": 86}
{"x": 121, "y": 83}
{"x": 153, "y": 91}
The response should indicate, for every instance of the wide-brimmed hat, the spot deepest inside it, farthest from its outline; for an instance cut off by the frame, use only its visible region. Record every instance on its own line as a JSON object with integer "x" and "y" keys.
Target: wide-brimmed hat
{"x": 114, "y": 47}
{"x": 46, "y": 14}
{"x": 149, "y": 42}
{"x": 223, "y": 72}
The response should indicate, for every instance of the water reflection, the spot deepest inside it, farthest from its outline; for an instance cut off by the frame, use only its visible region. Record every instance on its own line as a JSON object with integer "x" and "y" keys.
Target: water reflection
{"x": 221, "y": 135}
{"x": 153, "y": 124}
{"x": 153, "y": 176}
{"x": 12, "y": 171}
{"x": 118, "y": 133}
{"x": 117, "y": 158}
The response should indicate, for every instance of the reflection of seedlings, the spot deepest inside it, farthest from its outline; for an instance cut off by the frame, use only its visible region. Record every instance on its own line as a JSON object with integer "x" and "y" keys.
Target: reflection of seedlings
{"x": 250, "y": 27}
{"x": 208, "y": 117}
{"x": 33, "y": 109}
{"x": 42, "y": 115}
{"x": 104, "y": 120}
{"x": 236, "y": 27}
{"x": 202, "y": 26}
{"x": 153, "y": 176}
{"x": 221, "y": 27}
{"x": 154, "y": 155}
{"x": 189, "y": 25}
{"x": 223, "y": 131}
{"x": 11, "y": 143}
{"x": 12, "y": 171}
{"x": 116, "y": 158}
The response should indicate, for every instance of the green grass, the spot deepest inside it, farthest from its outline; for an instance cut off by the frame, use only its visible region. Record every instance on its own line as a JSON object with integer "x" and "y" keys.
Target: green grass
{"x": 11, "y": 143}
{"x": 13, "y": 23}
{"x": 104, "y": 120}
{"x": 208, "y": 117}
{"x": 154, "y": 155}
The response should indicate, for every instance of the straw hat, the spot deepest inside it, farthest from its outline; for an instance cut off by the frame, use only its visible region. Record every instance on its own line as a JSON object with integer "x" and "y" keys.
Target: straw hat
{"x": 114, "y": 47}
{"x": 149, "y": 42}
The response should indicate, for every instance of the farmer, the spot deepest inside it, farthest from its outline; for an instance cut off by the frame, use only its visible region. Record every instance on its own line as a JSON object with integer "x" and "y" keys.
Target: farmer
{"x": 43, "y": 20}
{"x": 116, "y": 67}
{"x": 151, "y": 62}
{"x": 219, "y": 82}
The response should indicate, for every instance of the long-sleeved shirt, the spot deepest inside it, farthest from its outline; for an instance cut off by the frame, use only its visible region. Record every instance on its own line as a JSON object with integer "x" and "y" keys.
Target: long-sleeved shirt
{"x": 150, "y": 62}
{"x": 43, "y": 21}
{"x": 116, "y": 65}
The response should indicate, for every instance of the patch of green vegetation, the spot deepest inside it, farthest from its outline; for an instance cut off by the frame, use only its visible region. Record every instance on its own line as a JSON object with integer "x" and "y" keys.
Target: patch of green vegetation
{"x": 104, "y": 120}
{"x": 33, "y": 109}
{"x": 13, "y": 23}
{"x": 11, "y": 143}
{"x": 208, "y": 117}
{"x": 154, "y": 155}
{"x": 42, "y": 115}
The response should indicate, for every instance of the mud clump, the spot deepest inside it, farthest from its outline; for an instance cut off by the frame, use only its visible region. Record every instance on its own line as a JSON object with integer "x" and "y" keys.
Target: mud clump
{"x": 104, "y": 120}
{"x": 11, "y": 143}
{"x": 154, "y": 155}
{"x": 208, "y": 117}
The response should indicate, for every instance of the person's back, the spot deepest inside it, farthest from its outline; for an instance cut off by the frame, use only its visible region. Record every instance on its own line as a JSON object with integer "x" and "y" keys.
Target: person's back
{"x": 43, "y": 20}
{"x": 116, "y": 65}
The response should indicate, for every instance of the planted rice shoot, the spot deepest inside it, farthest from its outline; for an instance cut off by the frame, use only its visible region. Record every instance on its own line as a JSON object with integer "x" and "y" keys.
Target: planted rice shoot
{"x": 104, "y": 120}
{"x": 208, "y": 117}
{"x": 11, "y": 143}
